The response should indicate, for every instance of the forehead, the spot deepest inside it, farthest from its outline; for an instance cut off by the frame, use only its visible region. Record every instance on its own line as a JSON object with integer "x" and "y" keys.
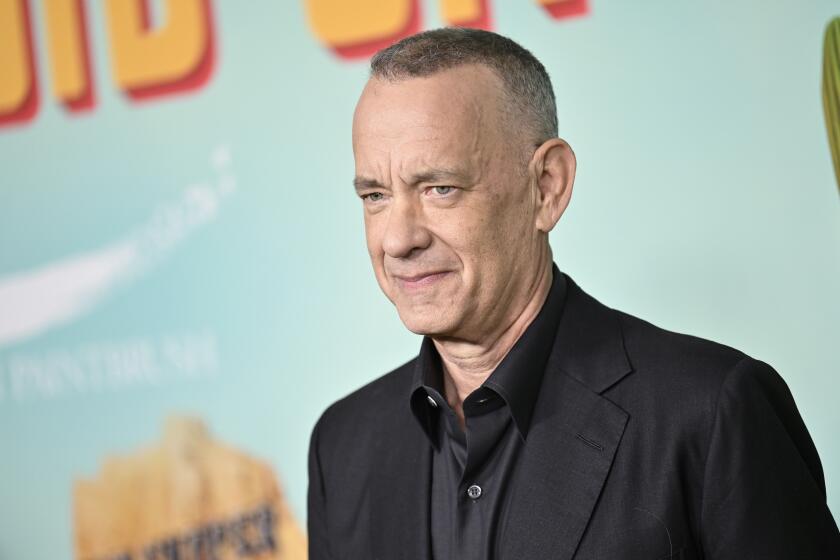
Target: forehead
{"x": 448, "y": 112}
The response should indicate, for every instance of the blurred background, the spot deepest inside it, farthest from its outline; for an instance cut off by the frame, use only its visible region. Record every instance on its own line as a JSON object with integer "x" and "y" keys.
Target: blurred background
{"x": 184, "y": 284}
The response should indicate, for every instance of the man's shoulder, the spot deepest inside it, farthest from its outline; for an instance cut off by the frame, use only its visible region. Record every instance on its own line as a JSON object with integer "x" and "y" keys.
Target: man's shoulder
{"x": 653, "y": 344}
{"x": 371, "y": 401}
{"x": 654, "y": 354}
{"x": 683, "y": 368}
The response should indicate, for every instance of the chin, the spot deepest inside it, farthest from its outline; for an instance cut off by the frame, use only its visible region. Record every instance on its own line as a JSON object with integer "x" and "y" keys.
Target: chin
{"x": 430, "y": 324}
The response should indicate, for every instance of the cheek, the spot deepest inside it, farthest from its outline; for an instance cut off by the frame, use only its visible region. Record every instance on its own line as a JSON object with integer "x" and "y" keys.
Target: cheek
{"x": 373, "y": 237}
{"x": 471, "y": 236}
{"x": 513, "y": 218}
{"x": 498, "y": 232}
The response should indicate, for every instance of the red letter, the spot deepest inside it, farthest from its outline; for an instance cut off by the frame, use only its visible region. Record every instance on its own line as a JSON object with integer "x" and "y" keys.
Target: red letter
{"x": 561, "y": 9}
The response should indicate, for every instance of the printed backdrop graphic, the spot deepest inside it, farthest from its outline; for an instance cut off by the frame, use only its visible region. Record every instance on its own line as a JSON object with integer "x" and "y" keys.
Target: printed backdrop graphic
{"x": 184, "y": 284}
{"x": 189, "y": 497}
{"x": 831, "y": 90}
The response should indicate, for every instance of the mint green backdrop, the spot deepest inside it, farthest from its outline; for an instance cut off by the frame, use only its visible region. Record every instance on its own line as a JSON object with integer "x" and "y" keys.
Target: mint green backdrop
{"x": 218, "y": 231}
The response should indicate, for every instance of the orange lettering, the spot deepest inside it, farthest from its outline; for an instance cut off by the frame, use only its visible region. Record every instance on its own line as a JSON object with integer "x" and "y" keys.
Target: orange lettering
{"x": 466, "y": 13}
{"x": 360, "y": 28}
{"x": 177, "y": 56}
{"x": 18, "y": 89}
{"x": 70, "y": 53}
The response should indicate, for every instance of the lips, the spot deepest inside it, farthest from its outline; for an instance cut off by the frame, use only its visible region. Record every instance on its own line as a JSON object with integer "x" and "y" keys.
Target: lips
{"x": 419, "y": 281}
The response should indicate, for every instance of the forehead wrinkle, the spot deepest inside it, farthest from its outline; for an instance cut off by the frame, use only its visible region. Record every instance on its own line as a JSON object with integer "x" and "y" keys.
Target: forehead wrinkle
{"x": 442, "y": 163}
{"x": 452, "y": 129}
{"x": 369, "y": 171}
{"x": 469, "y": 154}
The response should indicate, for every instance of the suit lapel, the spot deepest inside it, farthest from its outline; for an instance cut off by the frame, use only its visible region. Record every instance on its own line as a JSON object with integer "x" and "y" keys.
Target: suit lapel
{"x": 572, "y": 440}
{"x": 400, "y": 494}
{"x": 573, "y": 436}
{"x": 563, "y": 466}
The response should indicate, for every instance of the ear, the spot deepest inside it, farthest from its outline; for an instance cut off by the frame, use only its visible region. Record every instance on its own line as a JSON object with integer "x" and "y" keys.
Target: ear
{"x": 552, "y": 169}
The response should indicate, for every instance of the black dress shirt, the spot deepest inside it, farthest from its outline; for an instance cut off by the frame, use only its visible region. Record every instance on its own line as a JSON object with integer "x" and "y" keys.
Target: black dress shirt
{"x": 471, "y": 468}
{"x": 641, "y": 443}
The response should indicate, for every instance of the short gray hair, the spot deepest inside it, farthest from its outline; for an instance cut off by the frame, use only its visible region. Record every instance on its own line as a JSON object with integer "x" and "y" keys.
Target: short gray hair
{"x": 526, "y": 82}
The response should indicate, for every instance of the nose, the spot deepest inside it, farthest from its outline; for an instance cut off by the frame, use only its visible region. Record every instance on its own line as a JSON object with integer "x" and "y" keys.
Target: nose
{"x": 405, "y": 231}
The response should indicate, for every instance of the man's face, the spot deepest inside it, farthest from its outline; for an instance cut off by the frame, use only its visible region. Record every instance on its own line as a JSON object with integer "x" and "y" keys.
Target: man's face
{"x": 449, "y": 208}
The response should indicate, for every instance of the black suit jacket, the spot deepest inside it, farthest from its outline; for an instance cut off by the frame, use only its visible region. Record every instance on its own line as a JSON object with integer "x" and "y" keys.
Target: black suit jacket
{"x": 644, "y": 444}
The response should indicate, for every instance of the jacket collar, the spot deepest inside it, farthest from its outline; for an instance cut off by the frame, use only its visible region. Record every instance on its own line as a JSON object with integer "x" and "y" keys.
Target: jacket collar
{"x": 590, "y": 345}
{"x": 571, "y": 444}
{"x": 575, "y": 435}
{"x": 516, "y": 379}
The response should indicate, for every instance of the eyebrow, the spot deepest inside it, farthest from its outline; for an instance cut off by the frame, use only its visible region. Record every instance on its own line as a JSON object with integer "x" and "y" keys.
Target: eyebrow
{"x": 363, "y": 183}
{"x": 426, "y": 176}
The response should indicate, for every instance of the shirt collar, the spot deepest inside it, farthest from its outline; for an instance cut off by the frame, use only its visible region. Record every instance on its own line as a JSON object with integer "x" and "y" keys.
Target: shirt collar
{"x": 516, "y": 379}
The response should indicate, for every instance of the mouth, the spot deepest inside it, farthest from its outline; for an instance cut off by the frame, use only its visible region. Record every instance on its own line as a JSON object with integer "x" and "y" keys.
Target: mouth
{"x": 420, "y": 281}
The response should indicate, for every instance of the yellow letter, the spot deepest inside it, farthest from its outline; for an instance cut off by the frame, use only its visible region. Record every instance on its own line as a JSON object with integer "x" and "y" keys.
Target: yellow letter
{"x": 18, "y": 90}
{"x": 466, "y": 13}
{"x": 69, "y": 53}
{"x": 174, "y": 57}
{"x": 359, "y": 28}
{"x": 831, "y": 90}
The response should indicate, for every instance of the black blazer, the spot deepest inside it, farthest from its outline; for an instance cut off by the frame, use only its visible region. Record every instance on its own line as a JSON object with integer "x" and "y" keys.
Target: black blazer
{"x": 644, "y": 444}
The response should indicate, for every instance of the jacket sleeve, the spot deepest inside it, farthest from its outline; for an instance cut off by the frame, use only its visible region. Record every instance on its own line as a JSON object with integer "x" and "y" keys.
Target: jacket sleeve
{"x": 316, "y": 502}
{"x": 763, "y": 489}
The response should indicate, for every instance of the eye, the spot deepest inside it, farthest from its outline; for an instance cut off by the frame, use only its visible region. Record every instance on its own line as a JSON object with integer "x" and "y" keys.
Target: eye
{"x": 443, "y": 190}
{"x": 373, "y": 197}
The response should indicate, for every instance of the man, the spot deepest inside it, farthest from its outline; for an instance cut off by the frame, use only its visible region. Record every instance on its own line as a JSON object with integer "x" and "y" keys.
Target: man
{"x": 535, "y": 422}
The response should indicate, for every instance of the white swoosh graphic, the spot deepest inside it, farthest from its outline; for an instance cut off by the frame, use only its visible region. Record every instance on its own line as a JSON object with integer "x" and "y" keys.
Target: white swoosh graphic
{"x": 35, "y": 301}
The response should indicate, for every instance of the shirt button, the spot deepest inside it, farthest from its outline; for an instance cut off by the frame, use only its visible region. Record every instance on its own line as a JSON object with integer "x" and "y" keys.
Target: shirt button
{"x": 474, "y": 491}
{"x": 431, "y": 401}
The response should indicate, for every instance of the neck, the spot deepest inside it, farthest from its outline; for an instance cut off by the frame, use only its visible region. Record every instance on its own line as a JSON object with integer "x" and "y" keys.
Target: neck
{"x": 466, "y": 365}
